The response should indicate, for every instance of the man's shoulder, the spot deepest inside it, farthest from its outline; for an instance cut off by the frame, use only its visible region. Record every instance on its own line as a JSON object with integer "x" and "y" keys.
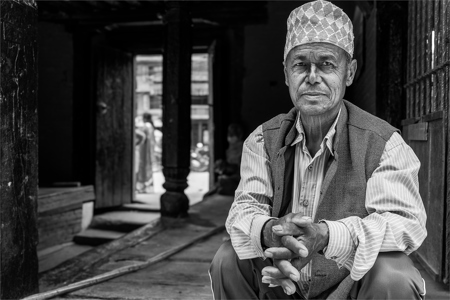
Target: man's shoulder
{"x": 277, "y": 121}
{"x": 362, "y": 120}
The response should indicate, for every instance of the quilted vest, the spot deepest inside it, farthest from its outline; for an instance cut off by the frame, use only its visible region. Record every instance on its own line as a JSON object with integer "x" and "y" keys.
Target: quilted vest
{"x": 359, "y": 142}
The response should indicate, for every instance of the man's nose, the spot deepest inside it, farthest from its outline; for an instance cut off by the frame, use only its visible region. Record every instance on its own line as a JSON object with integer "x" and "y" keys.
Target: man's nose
{"x": 313, "y": 76}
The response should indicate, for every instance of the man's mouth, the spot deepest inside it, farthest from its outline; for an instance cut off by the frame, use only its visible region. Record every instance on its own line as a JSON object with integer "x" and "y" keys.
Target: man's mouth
{"x": 313, "y": 94}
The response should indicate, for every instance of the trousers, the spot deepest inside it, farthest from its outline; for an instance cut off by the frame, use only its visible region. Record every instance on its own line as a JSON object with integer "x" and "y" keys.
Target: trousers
{"x": 393, "y": 276}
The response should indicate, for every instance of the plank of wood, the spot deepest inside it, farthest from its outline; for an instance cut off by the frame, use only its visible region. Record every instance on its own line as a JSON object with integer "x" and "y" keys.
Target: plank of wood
{"x": 114, "y": 127}
{"x": 431, "y": 154}
{"x": 58, "y": 236}
{"x": 54, "y": 220}
{"x": 417, "y": 132}
{"x": 51, "y": 200}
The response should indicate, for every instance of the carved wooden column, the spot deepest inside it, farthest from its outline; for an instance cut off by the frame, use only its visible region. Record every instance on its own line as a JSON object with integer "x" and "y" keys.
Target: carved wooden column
{"x": 18, "y": 147}
{"x": 176, "y": 109}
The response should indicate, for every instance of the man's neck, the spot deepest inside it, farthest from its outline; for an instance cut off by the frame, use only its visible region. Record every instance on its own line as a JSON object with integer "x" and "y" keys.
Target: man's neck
{"x": 316, "y": 128}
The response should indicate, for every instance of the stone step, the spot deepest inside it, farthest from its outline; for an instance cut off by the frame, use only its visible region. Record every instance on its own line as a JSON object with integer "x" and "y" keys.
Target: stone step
{"x": 123, "y": 221}
{"x": 95, "y": 237}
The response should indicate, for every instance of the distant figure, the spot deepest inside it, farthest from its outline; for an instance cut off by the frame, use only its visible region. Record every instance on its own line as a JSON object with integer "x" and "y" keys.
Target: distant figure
{"x": 228, "y": 171}
{"x": 144, "y": 177}
{"x": 139, "y": 141}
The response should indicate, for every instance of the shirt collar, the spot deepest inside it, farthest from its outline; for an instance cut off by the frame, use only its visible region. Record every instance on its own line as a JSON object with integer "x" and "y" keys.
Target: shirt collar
{"x": 328, "y": 139}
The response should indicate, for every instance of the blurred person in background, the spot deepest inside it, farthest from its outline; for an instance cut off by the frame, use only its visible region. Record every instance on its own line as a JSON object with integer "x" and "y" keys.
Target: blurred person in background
{"x": 146, "y": 149}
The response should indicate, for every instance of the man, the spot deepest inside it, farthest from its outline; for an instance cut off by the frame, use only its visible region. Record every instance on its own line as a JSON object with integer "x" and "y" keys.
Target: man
{"x": 328, "y": 205}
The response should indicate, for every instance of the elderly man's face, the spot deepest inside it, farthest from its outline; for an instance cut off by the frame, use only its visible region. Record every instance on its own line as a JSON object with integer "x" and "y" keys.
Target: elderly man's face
{"x": 317, "y": 75}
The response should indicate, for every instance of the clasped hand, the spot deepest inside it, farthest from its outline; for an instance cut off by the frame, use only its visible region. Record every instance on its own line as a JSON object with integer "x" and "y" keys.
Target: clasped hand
{"x": 291, "y": 242}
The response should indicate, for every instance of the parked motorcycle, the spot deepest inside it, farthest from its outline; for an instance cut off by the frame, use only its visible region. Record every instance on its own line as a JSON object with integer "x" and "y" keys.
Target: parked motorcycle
{"x": 200, "y": 158}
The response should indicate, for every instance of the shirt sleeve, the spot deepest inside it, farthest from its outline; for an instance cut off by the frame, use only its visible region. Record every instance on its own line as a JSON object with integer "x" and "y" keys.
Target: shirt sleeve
{"x": 396, "y": 220}
{"x": 252, "y": 205}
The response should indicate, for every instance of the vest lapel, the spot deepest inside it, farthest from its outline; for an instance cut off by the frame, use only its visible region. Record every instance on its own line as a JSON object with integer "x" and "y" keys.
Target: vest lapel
{"x": 289, "y": 160}
{"x": 284, "y": 166}
{"x": 332, "y": 164}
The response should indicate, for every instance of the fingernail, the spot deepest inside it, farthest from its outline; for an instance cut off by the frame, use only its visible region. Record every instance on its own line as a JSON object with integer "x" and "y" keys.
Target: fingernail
{"x": 268, "y": 254}
{"x": 293, "y": 277}
{"x": 265, "y": 280}
{"x": 277, "y": 228}
{"x": 272, "y": 285}
{"x": 288, "y": 290}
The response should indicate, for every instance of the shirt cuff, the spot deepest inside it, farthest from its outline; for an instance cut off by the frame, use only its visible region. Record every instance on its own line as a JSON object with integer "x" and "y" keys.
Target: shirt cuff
{"x": 340, "y": 245}
{"x": 255, "y": 233}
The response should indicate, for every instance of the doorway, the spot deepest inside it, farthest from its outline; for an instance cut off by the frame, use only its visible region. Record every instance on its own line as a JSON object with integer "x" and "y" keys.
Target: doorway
{"x": 149, "y": 128}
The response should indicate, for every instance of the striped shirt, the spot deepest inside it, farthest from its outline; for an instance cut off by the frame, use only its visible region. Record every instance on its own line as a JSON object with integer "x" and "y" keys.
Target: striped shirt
{"x": 396, "y": 220}
{"x": 309, "y": 173}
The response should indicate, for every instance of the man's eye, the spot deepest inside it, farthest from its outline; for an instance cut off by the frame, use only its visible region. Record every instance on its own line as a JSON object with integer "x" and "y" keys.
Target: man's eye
{"x": 300, "y": 64}
{"x": 327, "y": 64}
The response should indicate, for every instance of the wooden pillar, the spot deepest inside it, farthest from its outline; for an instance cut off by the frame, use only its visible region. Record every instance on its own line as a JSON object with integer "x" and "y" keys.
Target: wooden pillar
{"x": 176, "y": 109}
{"x": 18, "y": 147}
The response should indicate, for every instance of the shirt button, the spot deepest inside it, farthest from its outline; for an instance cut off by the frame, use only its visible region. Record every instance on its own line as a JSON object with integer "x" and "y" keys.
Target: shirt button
{"x": 333, "y": 257}
{"x": 306, "y": 203}
{"x": 310, "y": 167}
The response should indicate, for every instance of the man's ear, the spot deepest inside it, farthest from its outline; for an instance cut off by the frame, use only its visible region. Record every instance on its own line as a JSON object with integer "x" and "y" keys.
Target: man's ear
{"x": 286, "y": 81}
{"x": 351, "y": 72}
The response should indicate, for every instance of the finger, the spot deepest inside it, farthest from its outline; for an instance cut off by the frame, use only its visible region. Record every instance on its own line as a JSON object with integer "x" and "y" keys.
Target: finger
{"x": 287, "y": 269}
{"x": 287, "y": 229}
{"x": 301, "y": 221}
{"x": 272, "y": 272}
{"x": 279, "y": 253}
{"x": 287, "y": 284}
{"x": 294, "y": 245}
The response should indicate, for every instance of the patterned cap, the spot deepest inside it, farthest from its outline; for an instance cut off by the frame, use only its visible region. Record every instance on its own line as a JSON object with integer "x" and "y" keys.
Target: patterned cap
{"x": 319, "y": 21}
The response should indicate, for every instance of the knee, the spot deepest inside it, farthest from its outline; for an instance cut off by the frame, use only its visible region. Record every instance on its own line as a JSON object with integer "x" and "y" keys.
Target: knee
{"x": 393, "y": 275}
{"x": 225, "y": 260}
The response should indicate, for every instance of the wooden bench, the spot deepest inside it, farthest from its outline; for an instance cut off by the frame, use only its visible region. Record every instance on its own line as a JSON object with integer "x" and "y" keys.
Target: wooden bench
{"x": 60, "y": 213}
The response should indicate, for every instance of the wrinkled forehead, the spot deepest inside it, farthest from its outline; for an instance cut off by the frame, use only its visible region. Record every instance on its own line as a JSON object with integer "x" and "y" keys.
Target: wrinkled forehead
{"x": 316, "y": 51}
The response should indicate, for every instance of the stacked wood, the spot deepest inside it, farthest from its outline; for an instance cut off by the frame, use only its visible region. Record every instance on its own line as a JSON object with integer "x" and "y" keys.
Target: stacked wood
{"x": 60, "y": 213}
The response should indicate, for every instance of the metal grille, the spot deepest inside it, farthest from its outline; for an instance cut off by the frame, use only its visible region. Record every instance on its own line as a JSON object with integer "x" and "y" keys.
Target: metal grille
{"x": 428, "y": 86}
